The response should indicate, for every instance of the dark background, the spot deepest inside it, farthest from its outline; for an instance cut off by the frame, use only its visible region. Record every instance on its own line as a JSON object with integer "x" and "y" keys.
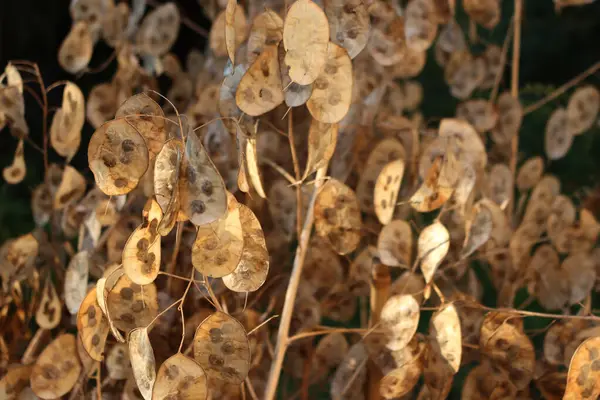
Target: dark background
{"x": 555, "y": 47}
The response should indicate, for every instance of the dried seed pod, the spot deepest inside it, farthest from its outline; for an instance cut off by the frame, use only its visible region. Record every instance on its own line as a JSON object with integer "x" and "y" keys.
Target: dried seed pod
{"x": 387, "y": 44}
{"x": 332, "y": 90}
{"x": 478, "y": 112}
{"x": 348, "y": 24}
{"x": 282, "y": 207}
{"x": 337, "y": 216}
{"x": 218, "y": 246}
{"x": 101, "y": 104}
{"x": 141, "y": 254}
{"x": 130, "y": 305}
{"x": 399, "y": 319}
{"x": 485, "y": 12}
{"x": 294, "y": 94}
{"x": 158, "y": 30}
{"x": 65, "y": 131}
{"x": 339, "y": 304}
{"x": 500, "y": 184}
{"x": 583, "y": 108}
{"x": 435, "y": 190}
{"x": 582, "y": 382}
{"x": 236, "y": 28}
{"x": 433, "y": 245}
{"x": 485, "y": 381}
{"x": 386, "y": 151}
{"x": 75, "y": 51}
{"x": 166, "y": 182}
{"x": 306, "y": 39}
{"x": 508, "y": 348}
{"x": 395, "y": 244}
{"x": 15, "y": 173}
{"x": 492, "y": 56}
{"x": 118, "y": 157}
{"x": 71, "y": 188}
{"x": 227, "y": 105}
{"x": 438, "y": 375}
{"x": 143, "y": 364}
{"x": 14, "y": 381}
{"x": 530, "y": 173}
{"x": 450, "y": 40}
{"x": 478, "y": 227}
{"x": 252, "y": 269}
{"x": 115, "y": 24}
{"x": 351, "y": 374}
{"x": 558, "y": 138}
{"x": 559, "y": 336}
{"x": 117, "y": 362}
{"x": 180, "y": 376}
{"x": 421, "y": 25}
{"x": 464, "y": 73}
{"x": 359, "y": 274}
{"x": 445, "y": 329}
{"x": 221, "y": 348}
{"x": 510, "y": 116}
{"x": 400, "y": 381}
{"x": 322, "y": 139}
{"x": 409, "y": 283}
{"x": 57, "y": 368}
{"x": 92, "y": 326}
{"x": 76, "y": 279}
{"x": 148, "y": 118}
{"x": 387, "y": 187}
{"x": 251, "y": 158}
{"x": 316, "y": 279}
{"x": 50, "y": 309}
{"x": 330, "y": 351}
{"x": 267, "y": 30}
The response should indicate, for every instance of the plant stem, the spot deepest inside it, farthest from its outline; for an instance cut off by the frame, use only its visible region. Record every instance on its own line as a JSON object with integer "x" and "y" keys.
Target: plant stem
{"x": 292, "y": 290}
{"x": 296, "y": 173}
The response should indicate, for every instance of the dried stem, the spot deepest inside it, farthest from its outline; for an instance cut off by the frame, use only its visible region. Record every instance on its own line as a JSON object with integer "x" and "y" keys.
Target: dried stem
{"x": 380, "y": 291}
{"x": 514, "y": 91}
{"x": 559, "y": 91}
{"x": 292, "y": 290}
{"x": 180, "y": 308}
{"x": 503, "y": 56}
{"x": 296, "y": 173}
{"x": 326, "y": 332}
{"x": 171, "y": 267}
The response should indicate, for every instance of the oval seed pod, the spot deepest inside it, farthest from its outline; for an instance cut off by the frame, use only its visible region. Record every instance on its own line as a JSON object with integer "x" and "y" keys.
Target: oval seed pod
{"x": 117, "y": 362}
{"x": 118, "y": 157}
{"x": 221, "y": 348}
{"x": 492, "y": 56}
{"x": 557, "y": 138}
{"x": 433, "y": 245}
{"x": 500, "y": 184}
{"x": 351, "y": 374}
{"x": 349, "y": 24}
{"x": 282, "y": 207}
{"x": 507, "y": 347}
{"x": 218, "y": 246}
{"x": 143, "y": 364}
{"x": 130, "y": 305}
{"x": 510, "y": 116}
{"x": 65, "y": 131}
{"x": 76, "y": 280}
{"x": 260, "y": 89}
{"x": 478, "y": 227}
{"x": 478, "y": 112}
{"x": 251, "y": 158}
{"x": 337, "y": 216}
{"x": 294, "y": 94}
{"x": 467, "y": 144}
{"x": 306, "y": 39}
{"x": 421, "y": 25}
{"x": 583, "y": 108}
{"x": 330, "y": 351}
{"x": 14, "y": 381}
{"x": 395, "y": 244}
{"x": 322, "y": 139}
{"x": 15, "y": 172}
{"x": 57, "y": 368}
{"x": 158, "y": 30}
{"x": 201, "y": 188}
{"x": 485, "y": 12}
{"x": 75, "y": 51}
{"x": 92, "y": 326}
{"x": 387, "y": 44}
{"x": 400, "y": 319}
{"x": 387, "y": 187}
{"x": 50, "y": 309}
{"x": 435, "y": 190}
{"x": 267, "y": 30}
{"x": 445, "y": 330}
{"x": 530, "y": 173}
{"x": 141, "y": 254}
{"x": 114, "y": 24}
{"x": 101, "y": 104}
{"x": 182, "y": 377}
{"x": 236, "y": 28}
{"x": 332, "y": 90}
{"x": 148, "y": 118}
{"x": 582, "y": 380}
{"x": 166, "y": 183}
{"x": 252, "y": 270}
{"x": 72, "y": 188}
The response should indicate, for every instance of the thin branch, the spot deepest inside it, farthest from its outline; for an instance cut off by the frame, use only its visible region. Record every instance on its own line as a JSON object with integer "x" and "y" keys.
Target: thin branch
{"x": 326, "y": 332}
{"x": 296, "y": 173}
{"x": 290, "y": 295}
{"x": 171, "y": 267}
{"x": 559, "y": 91}
{"x": 503, "y": 56}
